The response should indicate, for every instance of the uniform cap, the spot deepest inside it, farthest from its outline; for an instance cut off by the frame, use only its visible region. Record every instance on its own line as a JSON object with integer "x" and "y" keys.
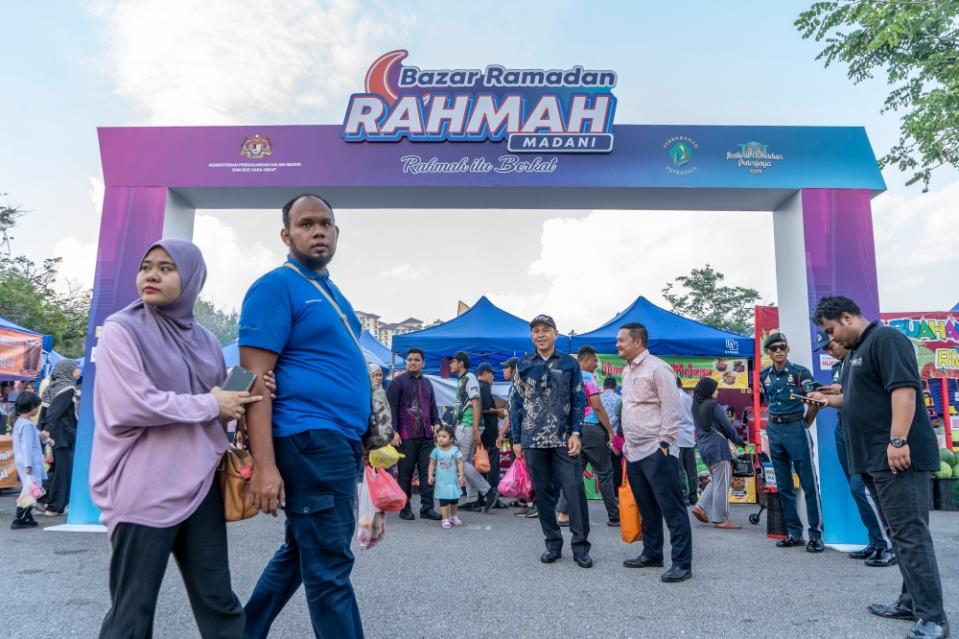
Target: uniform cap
{"x": 774, "y": 338}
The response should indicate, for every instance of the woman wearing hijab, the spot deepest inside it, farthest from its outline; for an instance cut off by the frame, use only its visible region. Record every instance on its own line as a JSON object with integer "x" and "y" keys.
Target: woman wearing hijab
{"x": 158, "y": 440}
{"x": 714, "y": 432}
{"x": 60, "y": 420}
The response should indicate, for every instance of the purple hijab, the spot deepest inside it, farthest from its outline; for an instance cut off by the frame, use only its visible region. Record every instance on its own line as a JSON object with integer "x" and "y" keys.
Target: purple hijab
{"x": 178, "y": 354}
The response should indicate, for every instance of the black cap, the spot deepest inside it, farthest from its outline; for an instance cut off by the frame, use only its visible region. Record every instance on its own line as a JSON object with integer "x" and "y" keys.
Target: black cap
{"x": 543, "y": 319}
{"x": 822, "y": 341}
{"x": 463, "y": 357}
{"x": 774, "y": 338}
{"x": 511, "y": 362}
{"x": 484, "y": 368}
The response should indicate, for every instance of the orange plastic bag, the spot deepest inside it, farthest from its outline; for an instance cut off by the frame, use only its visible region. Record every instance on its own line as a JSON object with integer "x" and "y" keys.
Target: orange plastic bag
{"x": 481, "y": 459}
{"x": 384, "y": 491}
{"x": 630, "y": 521}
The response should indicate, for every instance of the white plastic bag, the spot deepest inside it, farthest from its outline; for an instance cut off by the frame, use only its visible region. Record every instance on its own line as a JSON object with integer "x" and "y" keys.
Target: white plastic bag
{"x": 370, "y": 522}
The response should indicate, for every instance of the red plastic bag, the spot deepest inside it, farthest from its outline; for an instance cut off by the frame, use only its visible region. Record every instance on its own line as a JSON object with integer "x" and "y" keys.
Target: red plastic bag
{"x": 517, "y": 483}
{"x": 385, "y": 492}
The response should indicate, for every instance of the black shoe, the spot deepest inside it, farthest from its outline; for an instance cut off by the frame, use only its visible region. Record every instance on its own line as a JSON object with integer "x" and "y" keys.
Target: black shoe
{"x": 490, "y": 500}
{"x": 613, "y": 523}
{"x": 583, "y": 561}
{"x": 929, "y": 630}
{"x": 472, "y": 507}
{"x": 895, "y": 610}
{"x": 675, "y": 575}
{"x": 407, "y": 514}
{"x": 790, "y": 542}
{"x": 865, "y": 553}
{"x": 499, "y": 505}
{"x": 430, "y": 514}
{"x": 643, "y": 562}
{"x": 550, "y": 556}
{"x": 19, "y": 524}
{"x": 815, "y": 545}
{"x": 882, "y": 558}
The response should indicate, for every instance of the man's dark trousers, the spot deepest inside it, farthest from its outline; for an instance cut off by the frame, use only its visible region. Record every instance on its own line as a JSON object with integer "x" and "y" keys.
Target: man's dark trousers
{"x": 596, "y": 452}
{"x": 320, "y": 469}
{"x": 553, "y": 468}
{"x": 655, "y": 485}
{"x": 904, "y": 503}
{"x": 790, "y": 445}
{"x": 858, "y": 489}
{"x": 688, "y": 475}
{"x": 417, "y": 451}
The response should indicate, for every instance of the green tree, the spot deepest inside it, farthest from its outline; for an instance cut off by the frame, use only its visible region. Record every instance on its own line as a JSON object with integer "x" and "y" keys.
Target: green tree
{"x": 225, "y": 326}
{"x": 916, "y": 44}
{"x": 28, "y": 296}
{"x": 702, "y": 296}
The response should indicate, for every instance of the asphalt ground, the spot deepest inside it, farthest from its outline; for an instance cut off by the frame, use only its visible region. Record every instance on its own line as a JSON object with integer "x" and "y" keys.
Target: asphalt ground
{"x": 485, "y": 580}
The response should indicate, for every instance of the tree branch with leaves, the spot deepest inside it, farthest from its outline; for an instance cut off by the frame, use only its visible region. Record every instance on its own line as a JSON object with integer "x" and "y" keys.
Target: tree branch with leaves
{"x": 703, "y": 296}
{"x": 916, "y": 44}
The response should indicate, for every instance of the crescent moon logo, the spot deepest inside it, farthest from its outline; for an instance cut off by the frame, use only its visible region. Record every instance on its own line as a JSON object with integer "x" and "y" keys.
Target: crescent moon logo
{"x": 383, "y": 75}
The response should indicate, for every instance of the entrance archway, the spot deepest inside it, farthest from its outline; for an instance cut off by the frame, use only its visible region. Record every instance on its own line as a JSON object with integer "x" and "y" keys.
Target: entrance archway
{"x": 816, "y": 182}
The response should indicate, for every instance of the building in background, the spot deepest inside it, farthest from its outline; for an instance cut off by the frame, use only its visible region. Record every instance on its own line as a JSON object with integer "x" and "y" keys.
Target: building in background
{"x": 385, "y": 331}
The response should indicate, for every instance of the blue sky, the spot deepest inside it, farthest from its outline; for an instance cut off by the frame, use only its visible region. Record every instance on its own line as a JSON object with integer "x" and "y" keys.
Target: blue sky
{"x": 99, "y": 63}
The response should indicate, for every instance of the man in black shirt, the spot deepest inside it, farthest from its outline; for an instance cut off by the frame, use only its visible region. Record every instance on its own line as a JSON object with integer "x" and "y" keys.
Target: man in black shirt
{"x": 892, "y": 445}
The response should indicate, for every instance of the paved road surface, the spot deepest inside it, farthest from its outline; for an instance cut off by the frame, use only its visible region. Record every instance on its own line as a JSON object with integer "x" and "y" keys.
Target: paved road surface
{"x": 485, "y": 580}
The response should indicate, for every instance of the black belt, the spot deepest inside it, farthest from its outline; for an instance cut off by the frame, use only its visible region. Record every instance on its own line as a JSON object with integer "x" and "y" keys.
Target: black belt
{"x": 785, "y": 419}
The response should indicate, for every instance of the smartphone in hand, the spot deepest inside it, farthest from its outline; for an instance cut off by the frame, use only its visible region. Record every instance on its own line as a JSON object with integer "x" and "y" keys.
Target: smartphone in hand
{"x": 239, "y": 380}
{"x": 808, "y": 400}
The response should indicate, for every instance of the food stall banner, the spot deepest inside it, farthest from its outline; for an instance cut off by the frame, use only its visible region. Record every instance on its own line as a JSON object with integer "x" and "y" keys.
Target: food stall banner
{"x": 935, "y": 336}
{"x": 730, "y": 373}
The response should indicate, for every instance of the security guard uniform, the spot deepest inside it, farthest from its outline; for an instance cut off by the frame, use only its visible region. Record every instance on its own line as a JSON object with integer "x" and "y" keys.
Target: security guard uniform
{"x": 790, "y": 444}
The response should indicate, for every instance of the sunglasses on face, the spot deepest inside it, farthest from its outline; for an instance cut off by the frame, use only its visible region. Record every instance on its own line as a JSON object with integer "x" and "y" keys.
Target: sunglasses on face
{"x": 777, "y": 348}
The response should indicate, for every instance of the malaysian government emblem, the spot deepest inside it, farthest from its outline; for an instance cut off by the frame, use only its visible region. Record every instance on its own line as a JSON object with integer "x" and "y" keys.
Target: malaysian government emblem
{"x": 256, "y": 147}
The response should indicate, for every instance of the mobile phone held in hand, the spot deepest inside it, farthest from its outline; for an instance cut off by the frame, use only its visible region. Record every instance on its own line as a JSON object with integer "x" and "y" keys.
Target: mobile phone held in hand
{"x": 808, "y": 400}
{"x": 239, "y": 380}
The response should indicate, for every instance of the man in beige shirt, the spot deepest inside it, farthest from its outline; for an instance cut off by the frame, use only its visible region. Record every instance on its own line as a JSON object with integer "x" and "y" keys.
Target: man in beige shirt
{"x": 650, "y": 422}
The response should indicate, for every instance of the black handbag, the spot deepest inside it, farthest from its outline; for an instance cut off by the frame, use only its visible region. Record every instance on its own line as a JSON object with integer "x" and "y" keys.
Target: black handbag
{"x": 743, "y": 466}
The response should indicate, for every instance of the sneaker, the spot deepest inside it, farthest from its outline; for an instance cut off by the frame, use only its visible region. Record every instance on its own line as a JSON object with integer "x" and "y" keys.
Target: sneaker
{"x": 446, "y": 523}
{"x": 532, "y": 514}
{"x": 490, "y": 499}
{"x": 523, "y": 512}
{"x": 18, "y": 524}
{"x": 456, "y": 521}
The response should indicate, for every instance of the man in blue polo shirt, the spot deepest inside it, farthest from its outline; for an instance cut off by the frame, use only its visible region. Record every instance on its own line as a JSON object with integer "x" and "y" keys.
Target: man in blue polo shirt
{"x": 306, "y": 443}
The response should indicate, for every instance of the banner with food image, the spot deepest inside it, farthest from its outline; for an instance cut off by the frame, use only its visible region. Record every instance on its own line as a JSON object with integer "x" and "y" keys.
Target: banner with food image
{"x": 731, "y": 373}
{"x": 935, "y": 337}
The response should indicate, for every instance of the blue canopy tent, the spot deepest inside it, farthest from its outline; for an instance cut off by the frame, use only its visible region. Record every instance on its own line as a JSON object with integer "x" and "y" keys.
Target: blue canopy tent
{"x": 486, "y": 332}
{"x": 669, "y": 334}
{"x": 380, "y": 350}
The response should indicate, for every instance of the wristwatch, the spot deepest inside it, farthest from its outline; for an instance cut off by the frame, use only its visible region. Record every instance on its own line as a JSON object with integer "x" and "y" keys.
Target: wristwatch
{"x": 898, "y": 442}
{"x": 664, "y": 445}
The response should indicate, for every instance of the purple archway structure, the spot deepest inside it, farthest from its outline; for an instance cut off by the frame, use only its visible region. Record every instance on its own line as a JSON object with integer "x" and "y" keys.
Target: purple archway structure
{"x": 401, "y": 148}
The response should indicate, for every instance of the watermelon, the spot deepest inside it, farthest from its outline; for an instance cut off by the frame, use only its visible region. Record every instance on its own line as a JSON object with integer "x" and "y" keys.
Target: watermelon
{"x": 945, "y": 470}
{"x": 955, "y": 470}
{"x": 947, "y": 456}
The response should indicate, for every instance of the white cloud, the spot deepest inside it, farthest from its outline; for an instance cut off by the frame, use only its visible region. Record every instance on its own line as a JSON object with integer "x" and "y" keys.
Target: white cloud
{"x": 405, "y": 272}
{"x": 96, "y": 195}
{"x": 233, "y": 61}
{"x": 916, "y": 250}
{"x": 594, "y": 267}
{"x": 79, "y": 263}
{"x": 232, "y": 265}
